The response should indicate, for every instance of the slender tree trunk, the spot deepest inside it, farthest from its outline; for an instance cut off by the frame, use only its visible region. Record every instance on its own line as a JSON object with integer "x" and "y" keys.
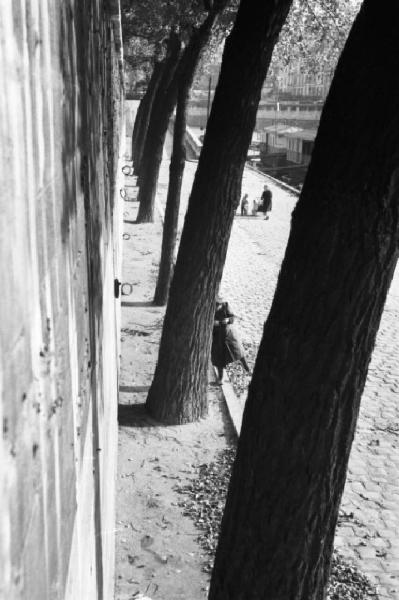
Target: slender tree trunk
{"x": 153, "y": 146}
{"x": 144, "y": 113}
{"x": 186, "y": 72}
{"x": 137, "y": 124}
{"x": 176, "y": 170}
{"x": 178, "y": 391}
{"x": 278, "y": 527}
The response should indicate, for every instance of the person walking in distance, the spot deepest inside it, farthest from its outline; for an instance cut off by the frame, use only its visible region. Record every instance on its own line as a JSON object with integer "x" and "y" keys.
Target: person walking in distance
{"x": 266, "y": 199}
{"x": 226, "y": 344}
{"x": 244, "y": 205}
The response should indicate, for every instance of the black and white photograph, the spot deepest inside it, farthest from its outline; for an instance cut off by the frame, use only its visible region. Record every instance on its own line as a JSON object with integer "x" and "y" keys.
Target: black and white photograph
{"x": 199, "y": 309}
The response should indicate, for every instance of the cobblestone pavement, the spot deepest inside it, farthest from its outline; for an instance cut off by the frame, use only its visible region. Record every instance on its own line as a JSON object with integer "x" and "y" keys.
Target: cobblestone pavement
{"x": 368, "y": 531}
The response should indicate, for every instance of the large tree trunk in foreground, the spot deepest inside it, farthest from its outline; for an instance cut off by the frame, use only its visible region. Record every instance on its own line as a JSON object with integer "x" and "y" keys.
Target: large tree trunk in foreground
{"x": 143, "y": 115}
{"x": 186, "y": 71}
{"x": 161, "y": 112}
{"x": 178, "y": 393}
{"x": 278, "y": 527}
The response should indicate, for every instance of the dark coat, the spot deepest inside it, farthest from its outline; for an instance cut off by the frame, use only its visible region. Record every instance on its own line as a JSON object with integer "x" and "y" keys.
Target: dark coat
{"x": 266, "y": 204}
{"x": 226, "y": 344}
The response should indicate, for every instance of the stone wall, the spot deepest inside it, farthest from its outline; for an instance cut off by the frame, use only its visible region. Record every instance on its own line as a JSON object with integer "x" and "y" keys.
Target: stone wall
{"x": 60, "y": 138}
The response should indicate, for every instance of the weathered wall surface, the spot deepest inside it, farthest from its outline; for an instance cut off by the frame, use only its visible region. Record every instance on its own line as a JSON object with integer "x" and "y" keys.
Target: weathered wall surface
{"x": 60, "y": 110}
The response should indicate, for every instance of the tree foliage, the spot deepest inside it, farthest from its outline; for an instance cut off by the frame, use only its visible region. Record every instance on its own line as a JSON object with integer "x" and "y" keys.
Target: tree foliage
{"x": 154, "y": 19}
{"x": 312, "y": 38}
{"x": 148, "y": 23}
{"x": 314, "y": 34}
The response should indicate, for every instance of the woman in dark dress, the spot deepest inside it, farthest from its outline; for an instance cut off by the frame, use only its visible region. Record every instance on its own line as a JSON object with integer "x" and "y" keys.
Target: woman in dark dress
{"x": 226, "y": 344}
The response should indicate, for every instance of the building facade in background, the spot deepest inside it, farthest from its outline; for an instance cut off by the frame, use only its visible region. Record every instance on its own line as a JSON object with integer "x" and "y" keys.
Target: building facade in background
{"x": 286, "y": 122}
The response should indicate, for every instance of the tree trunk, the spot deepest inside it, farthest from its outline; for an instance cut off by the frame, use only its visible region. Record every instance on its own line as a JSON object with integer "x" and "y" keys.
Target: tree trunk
{"x": 178, "y": 392}
{"x": 163, "y": 106}
{"x": 137, "y": 125}
{"x": 144, "y": 113}
{"x": 185, "y": 73}
{"x": 176, "y": 170}
{"x": 299, "y": 421}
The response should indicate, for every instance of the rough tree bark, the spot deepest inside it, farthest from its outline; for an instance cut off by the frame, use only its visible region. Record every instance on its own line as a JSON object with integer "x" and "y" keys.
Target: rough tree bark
{"x": 278, "y": 527}
{"x": 143, "y": 114}
{"x": 136, "y": 126}
{"x": 178, "y": 391}
{"x": 161, "y": 112}
{"x": 185, "y": 73}
{"x": 169, "y": 233}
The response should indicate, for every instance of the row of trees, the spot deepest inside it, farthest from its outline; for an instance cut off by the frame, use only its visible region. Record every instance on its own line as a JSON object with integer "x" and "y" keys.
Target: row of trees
{"x": 300, "y": 416}
{"x": 186, "y": 34}
{"x": 179, "y": 33}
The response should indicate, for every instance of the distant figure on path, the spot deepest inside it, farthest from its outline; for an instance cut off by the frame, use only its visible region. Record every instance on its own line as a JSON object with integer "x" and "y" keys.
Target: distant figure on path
{"x": 255, "y": 207}
{"x": 244, "y": 205}
{"x": 266, "y": 198}
{"x": 226, "y": 344}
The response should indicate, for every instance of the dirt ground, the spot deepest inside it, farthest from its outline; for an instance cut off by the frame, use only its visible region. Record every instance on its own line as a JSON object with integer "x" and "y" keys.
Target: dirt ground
{"x": 157, "y": 552}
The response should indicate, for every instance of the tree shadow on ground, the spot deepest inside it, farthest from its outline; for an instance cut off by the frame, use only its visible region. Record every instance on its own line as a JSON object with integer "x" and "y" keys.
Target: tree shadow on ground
{"x": 135, "y": 389}
{"x": 137, "y": 304}
{"x": 136, "y": 415}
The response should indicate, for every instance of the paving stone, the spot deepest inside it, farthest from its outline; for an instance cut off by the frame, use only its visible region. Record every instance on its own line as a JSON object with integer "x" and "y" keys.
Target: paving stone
{"x": 372, "y": 486}
{"x": 366, "y": 553}
{"x": 357, "y": 486}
